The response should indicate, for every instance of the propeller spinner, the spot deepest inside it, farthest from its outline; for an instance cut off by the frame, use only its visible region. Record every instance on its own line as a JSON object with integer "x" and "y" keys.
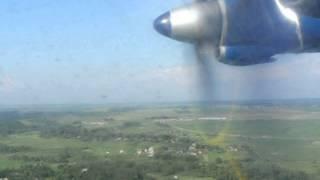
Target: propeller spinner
{"x": 199, "y": 23}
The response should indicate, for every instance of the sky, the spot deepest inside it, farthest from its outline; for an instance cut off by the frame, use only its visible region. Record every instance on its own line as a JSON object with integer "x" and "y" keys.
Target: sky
{"x": 106, "y": 51}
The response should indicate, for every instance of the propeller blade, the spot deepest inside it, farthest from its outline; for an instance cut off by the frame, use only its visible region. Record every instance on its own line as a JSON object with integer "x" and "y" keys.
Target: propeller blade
{"x": 205, "y": 54}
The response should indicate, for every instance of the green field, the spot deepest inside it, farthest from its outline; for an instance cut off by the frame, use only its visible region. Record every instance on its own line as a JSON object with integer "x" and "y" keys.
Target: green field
{"x": 225, "y": 141}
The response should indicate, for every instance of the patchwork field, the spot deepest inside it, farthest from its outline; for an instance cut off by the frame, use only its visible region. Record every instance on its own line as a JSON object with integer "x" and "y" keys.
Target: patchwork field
{"x": 224, "y": 141}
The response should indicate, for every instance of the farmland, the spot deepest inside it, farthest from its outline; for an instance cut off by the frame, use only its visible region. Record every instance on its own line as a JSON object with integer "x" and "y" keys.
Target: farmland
{"x": 175, "y": 141}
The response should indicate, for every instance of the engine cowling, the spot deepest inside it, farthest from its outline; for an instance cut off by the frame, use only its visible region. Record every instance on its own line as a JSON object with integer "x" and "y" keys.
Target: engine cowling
{"x": 246, "y": 55}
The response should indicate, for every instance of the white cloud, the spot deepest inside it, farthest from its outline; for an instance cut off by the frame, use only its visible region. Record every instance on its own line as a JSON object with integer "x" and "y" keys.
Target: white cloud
{"x": 6, "y": 83}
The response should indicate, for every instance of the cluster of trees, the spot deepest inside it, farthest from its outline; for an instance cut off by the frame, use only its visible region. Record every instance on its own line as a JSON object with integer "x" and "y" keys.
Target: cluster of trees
{"x": 13, "y": 149}
{"x": 10, "y": 124}
{"x": 269, "y": 171}
{"x": 52, "y": 129}
{"x": 165, "y": 165}
{"x": 10, "y": 121}
{"x": 118, "y": 170}
{"x": 28, "y": 172}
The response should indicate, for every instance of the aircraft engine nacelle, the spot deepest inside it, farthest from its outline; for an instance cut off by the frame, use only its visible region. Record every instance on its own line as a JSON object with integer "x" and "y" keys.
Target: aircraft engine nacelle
{"x": 245, "y": 55}
{"x": 192, "y": 23}
{"x": 240, "y": 32}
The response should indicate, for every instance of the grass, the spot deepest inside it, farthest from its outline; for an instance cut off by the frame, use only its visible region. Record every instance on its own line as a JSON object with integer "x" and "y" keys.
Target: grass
{"x": 7, "y": 163}
{"x": 53, "y": 147}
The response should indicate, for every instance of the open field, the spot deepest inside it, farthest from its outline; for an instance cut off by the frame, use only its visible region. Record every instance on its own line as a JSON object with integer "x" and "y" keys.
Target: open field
{"x": 225, "y": 141}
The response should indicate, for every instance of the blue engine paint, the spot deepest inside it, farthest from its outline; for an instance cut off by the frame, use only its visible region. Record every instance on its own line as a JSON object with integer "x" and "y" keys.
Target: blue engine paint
{"x": 258, "y": 30}
{"x": 255, "y": 30}
{"x": 259, "y": 23}
{"x": 310, "y": 28}
{"x": 247, "y": 55}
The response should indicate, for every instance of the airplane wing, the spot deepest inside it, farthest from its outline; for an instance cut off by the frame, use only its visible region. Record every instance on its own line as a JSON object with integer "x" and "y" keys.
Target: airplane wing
{"x": 304, "y": 7}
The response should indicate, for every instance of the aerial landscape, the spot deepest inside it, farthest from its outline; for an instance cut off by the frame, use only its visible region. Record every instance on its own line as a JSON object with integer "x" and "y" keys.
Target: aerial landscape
{"x": 160, "y": 90}
{"x": 262, "y": 140}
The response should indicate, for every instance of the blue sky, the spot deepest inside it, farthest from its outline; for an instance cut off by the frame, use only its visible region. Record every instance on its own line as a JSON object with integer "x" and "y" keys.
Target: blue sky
{"x": 101, "y": 51}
